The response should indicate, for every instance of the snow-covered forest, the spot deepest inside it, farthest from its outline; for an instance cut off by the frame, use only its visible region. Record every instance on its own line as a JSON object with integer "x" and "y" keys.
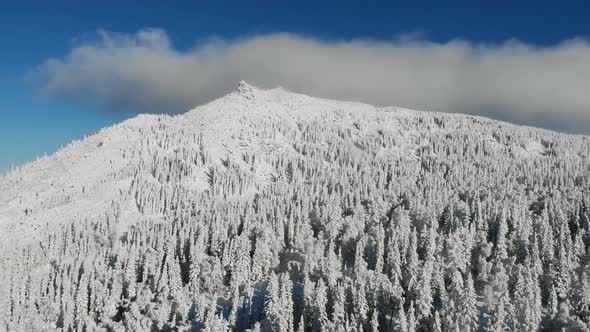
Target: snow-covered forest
{"x": 271, "y": 211}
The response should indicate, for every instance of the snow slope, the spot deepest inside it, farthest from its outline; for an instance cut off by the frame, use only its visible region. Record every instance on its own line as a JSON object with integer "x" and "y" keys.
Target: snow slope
{"x": 83, "y": 178}
{"x": 315, "y": 184}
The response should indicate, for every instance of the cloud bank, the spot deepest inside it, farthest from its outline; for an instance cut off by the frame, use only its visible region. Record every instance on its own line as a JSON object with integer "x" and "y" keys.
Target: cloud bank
{"x": 513, "y": 81}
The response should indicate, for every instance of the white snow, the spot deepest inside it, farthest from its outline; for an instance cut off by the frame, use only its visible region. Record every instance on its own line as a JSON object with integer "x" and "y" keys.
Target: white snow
{"x": 84, "y": 177}
{"x": 159, "y": 222}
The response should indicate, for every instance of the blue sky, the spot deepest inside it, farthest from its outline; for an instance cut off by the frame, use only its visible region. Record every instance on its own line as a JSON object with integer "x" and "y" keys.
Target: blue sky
{"x": 35, "y": 31}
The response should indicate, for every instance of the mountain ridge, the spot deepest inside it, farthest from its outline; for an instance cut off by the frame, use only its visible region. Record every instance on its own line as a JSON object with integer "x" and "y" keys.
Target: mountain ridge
{"x": 220, "y": 119}
{"x": 267, "y": 210}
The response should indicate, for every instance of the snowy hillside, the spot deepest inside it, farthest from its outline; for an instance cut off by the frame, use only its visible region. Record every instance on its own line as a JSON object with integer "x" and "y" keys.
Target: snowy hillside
{"x": 271, "y": 210}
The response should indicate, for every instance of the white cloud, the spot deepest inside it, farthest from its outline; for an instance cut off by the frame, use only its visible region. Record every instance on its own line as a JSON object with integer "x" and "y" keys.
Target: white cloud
{"x": 546, "y": 86}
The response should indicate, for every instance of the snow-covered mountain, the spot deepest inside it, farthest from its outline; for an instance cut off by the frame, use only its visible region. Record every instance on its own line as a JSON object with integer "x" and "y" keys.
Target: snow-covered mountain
{"x": 274, "y": 210}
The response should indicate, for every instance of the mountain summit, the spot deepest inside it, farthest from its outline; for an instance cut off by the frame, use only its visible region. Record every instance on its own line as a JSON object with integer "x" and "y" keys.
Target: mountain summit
{"x": 246, "y": 90}
{"x": 271, "y": 210}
